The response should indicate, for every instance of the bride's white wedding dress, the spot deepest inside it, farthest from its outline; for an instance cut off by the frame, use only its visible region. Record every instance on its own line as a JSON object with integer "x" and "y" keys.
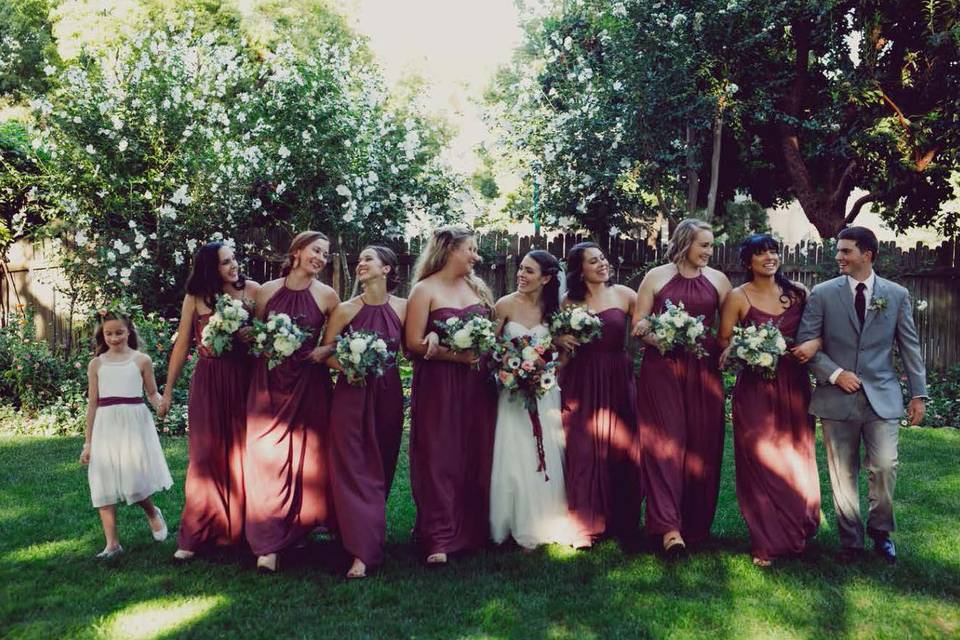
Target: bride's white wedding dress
{"x": 522, "y": 503}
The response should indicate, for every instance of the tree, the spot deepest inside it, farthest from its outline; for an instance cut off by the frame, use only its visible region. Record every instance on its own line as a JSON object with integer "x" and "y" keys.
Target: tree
{"x": 631, "y": 106}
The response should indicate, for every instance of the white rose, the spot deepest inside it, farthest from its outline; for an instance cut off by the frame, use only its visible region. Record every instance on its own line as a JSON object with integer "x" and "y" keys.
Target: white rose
{"x": 742, "y": 353}
{"x": 576, "y": 320}
{"x": 358, "y": 345}
{"x": 462, "y": 339}
{"x": 694, "y": 331}
{"x": 451, "y": 321}
{"x": 781, "y": 344}
{"x": 765, "y": 359}
{"x": 380, "y": 345}
{"x": 355, "y": 358}
{"x": 529, "y": 354}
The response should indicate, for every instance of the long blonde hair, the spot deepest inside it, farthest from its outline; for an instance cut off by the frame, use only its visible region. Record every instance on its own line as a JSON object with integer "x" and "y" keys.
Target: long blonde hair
{"x": 434, "y": 257}
{"x": 683, "y": 238}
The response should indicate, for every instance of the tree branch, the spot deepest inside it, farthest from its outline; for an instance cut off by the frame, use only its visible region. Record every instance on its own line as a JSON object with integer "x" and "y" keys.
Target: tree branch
{"x": 862, "y": 200}
{"x": 846, "y": 184}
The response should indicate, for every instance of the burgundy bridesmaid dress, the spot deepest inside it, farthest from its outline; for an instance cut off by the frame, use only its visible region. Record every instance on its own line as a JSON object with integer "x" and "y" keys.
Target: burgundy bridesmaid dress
{"x": 285, "y": 467}
{"x": 453, "y": 415}
{"x": 680, "y": 410}
{"x": 366, "y": 425}
{"x": 598, "y": 397}
{"x": 774, "y": 442}
{"x": 217, "y": 411}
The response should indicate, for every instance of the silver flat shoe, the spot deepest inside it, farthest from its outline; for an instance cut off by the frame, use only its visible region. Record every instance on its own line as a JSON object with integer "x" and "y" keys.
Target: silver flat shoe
{"x": 109, "y": 554}
{"x": 160, "y": 535}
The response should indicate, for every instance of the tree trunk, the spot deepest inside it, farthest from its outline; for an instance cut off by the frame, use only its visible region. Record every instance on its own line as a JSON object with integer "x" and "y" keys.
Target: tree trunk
{"x": 714, "y": 167}
{"x": 693, "y": 175}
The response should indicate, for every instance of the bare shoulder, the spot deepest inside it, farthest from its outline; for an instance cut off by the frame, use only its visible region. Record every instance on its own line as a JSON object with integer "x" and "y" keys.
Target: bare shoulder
{"x": 324, "y": 295}
{"x": 269, "y": 288}
{"x": 250, "y": 288}
{"x": 717, "y": 277}
{"x": 93, "y": 366}
{"x": 504, "y": 305}
{"x": 737, "y": 297}
{"x": 658, "y": 276}
{"x": 142, "y": 359}
{"x": 624, "y": 293}
{"x": 346, "y": 309}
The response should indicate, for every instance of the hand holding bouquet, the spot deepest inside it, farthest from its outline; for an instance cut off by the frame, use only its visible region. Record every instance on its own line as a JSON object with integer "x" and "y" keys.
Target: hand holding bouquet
{"x": 579, "y": 322}
{"x": 476, "y": 334}
{"x": 277, "y": 338}
{"x": 228, "y": 316}
{"x": 361, "y": 354}
{"x": 676, "y": 329}
{"x": 757, "y": 347}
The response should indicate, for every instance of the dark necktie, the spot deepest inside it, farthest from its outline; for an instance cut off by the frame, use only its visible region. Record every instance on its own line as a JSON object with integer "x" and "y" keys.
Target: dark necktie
{"x": 860, "y": 302}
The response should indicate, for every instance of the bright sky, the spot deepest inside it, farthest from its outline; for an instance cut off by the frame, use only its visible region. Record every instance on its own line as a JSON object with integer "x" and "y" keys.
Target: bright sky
{"x": 456, "y": 45}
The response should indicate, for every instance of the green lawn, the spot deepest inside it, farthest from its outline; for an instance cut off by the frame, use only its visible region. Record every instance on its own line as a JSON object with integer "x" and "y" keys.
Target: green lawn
{"x": 51, "y": 587}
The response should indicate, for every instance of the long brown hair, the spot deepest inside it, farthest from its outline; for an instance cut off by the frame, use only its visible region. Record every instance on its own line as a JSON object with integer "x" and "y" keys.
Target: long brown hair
{"x": 434, "y": 257}
{"x": 100, "y": 344}
{"x": 301, "y": 240}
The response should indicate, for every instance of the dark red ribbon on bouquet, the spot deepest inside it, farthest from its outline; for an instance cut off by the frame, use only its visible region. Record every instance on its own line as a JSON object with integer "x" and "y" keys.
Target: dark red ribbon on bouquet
{"x": 538, "y": 437}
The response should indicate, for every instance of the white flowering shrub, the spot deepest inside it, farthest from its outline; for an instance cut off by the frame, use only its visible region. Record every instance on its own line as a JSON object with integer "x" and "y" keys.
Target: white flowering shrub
{"x": 180, "y": 136}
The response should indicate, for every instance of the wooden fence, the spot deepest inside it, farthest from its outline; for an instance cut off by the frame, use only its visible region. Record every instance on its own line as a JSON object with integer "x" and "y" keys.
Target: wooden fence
{"x": 931, "y": 274}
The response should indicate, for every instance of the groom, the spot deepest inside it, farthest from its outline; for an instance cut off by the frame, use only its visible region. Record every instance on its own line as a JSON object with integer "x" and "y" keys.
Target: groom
{"x": 859, "y": 316}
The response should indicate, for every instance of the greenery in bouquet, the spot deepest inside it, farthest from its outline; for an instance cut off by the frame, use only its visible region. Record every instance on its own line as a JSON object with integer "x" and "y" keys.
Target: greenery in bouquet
{"x": 276, "y": 338}
{"x": 362, "y": 354}
{"x": 577, "y": 321}
{"x": 526, "y": 367}
{"x": 228, "y": 317}
{"x": 675, "y": 329}
{"x": 757, "y": 348}
{"x": 476, "y": 334}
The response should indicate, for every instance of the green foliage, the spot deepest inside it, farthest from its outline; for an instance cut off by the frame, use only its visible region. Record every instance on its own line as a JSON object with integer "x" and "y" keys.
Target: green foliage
{"x": 613, "y": 106}
{"x": 943, "y": 408}
{"x": 27, "y": 48}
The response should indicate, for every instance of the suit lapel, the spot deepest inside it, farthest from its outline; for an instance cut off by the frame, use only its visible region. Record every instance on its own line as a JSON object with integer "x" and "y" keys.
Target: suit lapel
{"x": 877, "y": 294}
{"x": 846, "y": 298}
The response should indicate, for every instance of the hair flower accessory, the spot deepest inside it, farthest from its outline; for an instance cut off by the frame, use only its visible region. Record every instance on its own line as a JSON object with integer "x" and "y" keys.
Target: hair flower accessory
{"x": 117, "y": 308}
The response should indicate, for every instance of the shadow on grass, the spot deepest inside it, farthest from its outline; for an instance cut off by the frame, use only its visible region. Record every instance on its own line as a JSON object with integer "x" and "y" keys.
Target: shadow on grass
{"x": 52, "y": 587}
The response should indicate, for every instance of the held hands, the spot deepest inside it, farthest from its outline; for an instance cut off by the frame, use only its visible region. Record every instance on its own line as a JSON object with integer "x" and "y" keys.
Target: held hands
{"x": 466, "y": 357}
{"x": 245, "y": 334}
{"x": 85, "y": 453}
{"x": 848, "y": 381}
{"x": 320, "y": 354}
{"x": 915, "y": 411}
{"x": 644, "y": 331}
{"x": 724, "y": 355}
{"x": 164, "y": 407}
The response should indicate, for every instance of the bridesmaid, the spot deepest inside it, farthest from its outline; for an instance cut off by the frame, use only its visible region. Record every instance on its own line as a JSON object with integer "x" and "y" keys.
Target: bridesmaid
{"x": 453, "y": 405}
{"x": 366, "y": 422}
{"x": 287, "y": 413}
{"x": 217, "y": 409}
{"x": 777, "y": 483}
{"x": 680, "y": 397}
{"x": 598, "y": 397}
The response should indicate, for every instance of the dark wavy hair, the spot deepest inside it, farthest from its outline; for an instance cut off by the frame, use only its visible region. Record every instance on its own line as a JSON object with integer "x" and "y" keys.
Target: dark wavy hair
{"x": 100, "y": 344}
{"x": 388, "y": 257}
{"x": 757, "y": 244}
{"x": 205, "y": 281}
{"x": 549, "y": 266}
{"x": 576, "y": 287}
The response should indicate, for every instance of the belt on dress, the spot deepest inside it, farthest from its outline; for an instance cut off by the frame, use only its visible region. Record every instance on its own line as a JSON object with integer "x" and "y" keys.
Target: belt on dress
{"x": 109, "y": 401}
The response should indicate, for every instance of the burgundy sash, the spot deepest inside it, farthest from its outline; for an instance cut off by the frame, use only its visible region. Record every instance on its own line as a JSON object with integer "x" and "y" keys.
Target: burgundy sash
{"x": 110, "y": 401}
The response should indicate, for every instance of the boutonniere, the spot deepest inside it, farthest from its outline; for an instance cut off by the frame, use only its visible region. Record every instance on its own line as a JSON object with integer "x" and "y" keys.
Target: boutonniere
{"x": 878, "y": 304}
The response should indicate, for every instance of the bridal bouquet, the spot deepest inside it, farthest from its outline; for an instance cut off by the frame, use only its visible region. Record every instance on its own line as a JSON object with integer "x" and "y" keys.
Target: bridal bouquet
{"x": 362, "y": 353}
{"x": 577, "y": 321}
{"x": 228, "y": 316}
{"x": 527, "y": 367}
{"x": 758, "y": 348}
{"x": 677, "y": 329}
{"x": 277, "y": 338}
{"x": 476, "y": 334}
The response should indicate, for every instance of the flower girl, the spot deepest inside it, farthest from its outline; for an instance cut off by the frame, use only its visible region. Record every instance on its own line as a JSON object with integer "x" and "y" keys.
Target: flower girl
{"x": 122, "y": 448}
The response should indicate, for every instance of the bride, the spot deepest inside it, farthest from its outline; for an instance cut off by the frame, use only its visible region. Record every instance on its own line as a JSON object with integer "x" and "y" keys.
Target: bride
{"x": 524, "y": 503}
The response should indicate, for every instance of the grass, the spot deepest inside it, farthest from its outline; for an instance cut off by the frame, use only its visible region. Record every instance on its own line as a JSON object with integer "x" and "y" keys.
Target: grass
{"x": 51, "y": 587}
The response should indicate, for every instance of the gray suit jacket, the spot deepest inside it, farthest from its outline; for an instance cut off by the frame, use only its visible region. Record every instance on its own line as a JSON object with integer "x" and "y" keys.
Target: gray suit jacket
{"x": 868, "y": 352}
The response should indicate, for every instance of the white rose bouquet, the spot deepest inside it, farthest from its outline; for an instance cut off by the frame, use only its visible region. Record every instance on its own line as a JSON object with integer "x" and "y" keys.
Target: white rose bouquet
{"x": 476, "y": 334}
{"x": 277, "y": 338}
{"x": 528, "y": 369}
{"x": 758, "y": 348}
{"x": 577, "y": 321}
{"x": 361, "y": 354}
{"x": 676, "y": 329}
{"x": 228, "y": 316}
